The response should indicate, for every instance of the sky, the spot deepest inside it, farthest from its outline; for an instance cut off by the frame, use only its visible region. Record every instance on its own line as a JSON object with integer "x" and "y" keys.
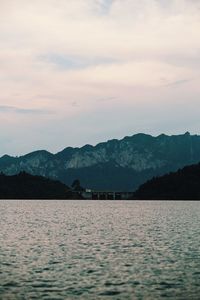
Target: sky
{"x": 76, "y": 72}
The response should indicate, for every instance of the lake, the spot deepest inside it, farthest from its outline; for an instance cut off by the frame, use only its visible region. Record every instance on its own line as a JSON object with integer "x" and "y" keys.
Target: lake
{"x": 99, "y": 249}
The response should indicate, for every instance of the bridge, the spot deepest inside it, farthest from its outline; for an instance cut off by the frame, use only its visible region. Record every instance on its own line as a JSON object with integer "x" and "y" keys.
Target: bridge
{"x": 106, "y": 195}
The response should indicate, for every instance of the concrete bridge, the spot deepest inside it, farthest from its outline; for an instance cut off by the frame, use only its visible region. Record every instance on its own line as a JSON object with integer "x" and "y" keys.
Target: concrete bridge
{"x": 106, "y": 195}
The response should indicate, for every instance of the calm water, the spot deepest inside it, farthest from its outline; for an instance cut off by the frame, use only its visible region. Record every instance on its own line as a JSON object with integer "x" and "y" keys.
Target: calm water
{"x": 99, "y": 250}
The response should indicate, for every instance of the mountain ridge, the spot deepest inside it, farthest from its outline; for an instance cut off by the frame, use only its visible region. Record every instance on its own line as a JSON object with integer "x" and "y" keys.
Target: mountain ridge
{"x": 116, "y": 164}
{"x": 100, "y": 143}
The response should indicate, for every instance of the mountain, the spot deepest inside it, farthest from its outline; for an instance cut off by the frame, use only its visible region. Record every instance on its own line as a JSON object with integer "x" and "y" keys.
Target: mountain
{"x": 181, "y": 185}
{"x": 121, "y": 165}
{"x": 26, "y": 186}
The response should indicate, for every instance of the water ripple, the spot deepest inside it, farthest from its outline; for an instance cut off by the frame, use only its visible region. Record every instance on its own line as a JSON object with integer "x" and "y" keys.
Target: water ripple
{"x": 99, "y": 250}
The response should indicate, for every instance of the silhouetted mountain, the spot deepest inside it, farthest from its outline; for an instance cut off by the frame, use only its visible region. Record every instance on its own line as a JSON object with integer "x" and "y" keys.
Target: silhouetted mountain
{"x": 181, "y": 185}
{"x": 114, "y": 165}
{"x": 26, "y": 186}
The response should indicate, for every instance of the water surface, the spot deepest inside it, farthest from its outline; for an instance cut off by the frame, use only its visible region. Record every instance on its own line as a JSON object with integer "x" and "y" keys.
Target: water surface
{"x": 99, "y": 250}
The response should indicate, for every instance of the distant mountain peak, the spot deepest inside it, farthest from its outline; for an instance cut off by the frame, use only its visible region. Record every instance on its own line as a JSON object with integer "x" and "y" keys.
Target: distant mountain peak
{"x": 187, "y": 133}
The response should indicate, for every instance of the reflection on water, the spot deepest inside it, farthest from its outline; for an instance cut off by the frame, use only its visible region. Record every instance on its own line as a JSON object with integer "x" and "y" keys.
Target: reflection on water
{"x": 99, "y": 250}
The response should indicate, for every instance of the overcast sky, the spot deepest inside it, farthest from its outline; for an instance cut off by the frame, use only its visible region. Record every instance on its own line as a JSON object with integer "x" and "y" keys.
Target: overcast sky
{"x": 74, "y": 72}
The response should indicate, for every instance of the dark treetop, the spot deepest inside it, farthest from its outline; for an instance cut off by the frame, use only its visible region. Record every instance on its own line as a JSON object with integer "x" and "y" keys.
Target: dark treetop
{"x": 181, "y": 185}
{"x": 26, "y": 186}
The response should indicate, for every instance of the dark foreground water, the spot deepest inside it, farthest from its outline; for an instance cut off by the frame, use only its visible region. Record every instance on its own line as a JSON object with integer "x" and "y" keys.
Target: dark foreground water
{"x": 99, "y": 250}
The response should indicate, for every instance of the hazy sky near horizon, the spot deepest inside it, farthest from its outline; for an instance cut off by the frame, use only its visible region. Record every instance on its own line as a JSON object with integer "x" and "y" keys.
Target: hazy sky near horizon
{"x": 74, "y": 72}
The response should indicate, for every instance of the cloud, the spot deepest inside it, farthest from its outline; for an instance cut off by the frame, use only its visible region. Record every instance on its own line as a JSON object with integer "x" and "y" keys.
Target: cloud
{"x": 105, "y": 6}
{"x": 17, "y": 110}
{"x": 61, "y": 56}
{"x": 107, "y": 99}
{"x": 64, "y": 62}
{"x": 179, "y": 82}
